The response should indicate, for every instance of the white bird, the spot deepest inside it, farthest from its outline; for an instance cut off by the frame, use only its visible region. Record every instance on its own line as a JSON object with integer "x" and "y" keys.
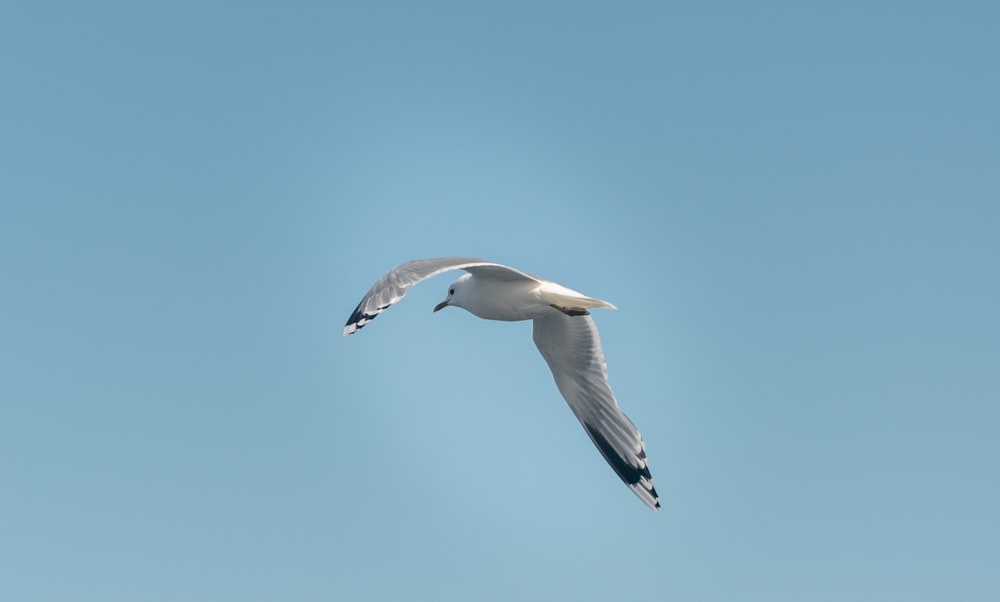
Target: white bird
{"x": 564, "y": 333}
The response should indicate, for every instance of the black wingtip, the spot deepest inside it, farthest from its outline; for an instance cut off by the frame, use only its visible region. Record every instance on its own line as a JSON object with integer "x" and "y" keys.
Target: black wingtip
{"x": 356, "y": 316}
{"x": 637, "y": 478}
{"x": 628, "y": 473}
{"x": 359, "y": 319}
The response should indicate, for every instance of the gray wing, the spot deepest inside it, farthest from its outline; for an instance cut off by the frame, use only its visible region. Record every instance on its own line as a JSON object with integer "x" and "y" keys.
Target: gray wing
{"x": 392, "y": 286}
{"x": 572, "y": 349}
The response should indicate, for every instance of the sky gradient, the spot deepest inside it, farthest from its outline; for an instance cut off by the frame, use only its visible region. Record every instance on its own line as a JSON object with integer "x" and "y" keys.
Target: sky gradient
{"x": 795, "y": 207}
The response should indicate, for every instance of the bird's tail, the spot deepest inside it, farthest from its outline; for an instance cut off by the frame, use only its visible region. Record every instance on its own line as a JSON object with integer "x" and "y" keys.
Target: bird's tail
{"x": 562, "y": 297}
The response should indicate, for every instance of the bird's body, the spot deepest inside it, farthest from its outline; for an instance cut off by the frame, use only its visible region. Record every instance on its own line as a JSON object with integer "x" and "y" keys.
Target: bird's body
{"x": 564, "y": 333}
{"x": 492, "y": 299}
{"x": 489, "y": 298}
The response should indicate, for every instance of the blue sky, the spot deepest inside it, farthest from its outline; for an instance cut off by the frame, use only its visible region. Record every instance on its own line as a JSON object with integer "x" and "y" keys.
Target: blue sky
{"x": 794, "y": 206}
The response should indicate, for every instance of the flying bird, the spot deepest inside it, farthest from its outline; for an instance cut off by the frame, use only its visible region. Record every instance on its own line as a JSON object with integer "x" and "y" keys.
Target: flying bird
{"x": 564, "y": 333}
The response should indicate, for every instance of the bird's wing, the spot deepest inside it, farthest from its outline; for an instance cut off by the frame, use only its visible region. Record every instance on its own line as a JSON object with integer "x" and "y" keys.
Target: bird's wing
{"x": 572, "y": 349}
{"x": 392, "y": 286}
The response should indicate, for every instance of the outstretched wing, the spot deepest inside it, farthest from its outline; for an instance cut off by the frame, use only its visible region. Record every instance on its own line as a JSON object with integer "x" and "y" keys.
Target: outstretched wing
{"x": 572, "y": 349}
{"x": 392, "y": 286}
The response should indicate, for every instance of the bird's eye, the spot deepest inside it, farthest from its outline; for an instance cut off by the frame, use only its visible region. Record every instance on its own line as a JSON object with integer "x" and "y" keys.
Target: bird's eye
{"x": 451, "y": 291}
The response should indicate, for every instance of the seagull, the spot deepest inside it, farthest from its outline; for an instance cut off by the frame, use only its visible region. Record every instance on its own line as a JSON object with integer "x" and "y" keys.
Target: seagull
{"x": 564, "y": 333}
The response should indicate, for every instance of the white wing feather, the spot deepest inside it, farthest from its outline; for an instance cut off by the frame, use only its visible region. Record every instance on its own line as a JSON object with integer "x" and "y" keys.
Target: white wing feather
{"x": 392, "y": 286}
{"x": 572, "y": 348}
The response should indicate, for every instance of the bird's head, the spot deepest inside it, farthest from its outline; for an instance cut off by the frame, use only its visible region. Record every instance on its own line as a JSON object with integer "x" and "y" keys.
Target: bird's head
{"x": 455, "y": 293}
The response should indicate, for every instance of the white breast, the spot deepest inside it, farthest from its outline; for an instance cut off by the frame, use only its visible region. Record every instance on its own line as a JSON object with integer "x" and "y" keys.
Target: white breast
{"x": 508, "y": 301}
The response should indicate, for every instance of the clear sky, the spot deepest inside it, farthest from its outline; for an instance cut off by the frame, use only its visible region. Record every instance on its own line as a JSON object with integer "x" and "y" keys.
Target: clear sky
{"x": 795, "y": 206}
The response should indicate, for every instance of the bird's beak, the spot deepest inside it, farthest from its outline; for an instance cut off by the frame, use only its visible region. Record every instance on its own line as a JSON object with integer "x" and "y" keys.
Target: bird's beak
{"x": 441, "y": 305}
